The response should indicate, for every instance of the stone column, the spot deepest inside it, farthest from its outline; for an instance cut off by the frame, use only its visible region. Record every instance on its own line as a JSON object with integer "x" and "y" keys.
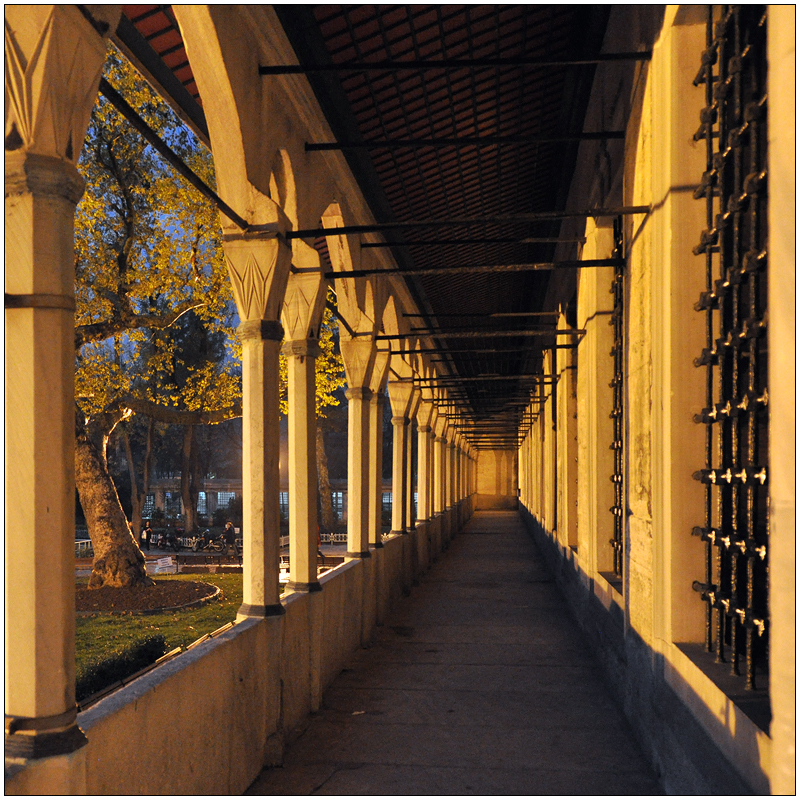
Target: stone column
{"x": 358, "y": 484}
{"x": 424, "y": 504}
{"x": 358, "y": 355}
{"x": 410, "y": 514}
{"x": 258, "y": 265}
{"x": 301, "y": 359}
{"x": 439, "y": 467}
{"x": 54, "y": 58}
{"x": 303, "y": 307}
{"x": 41, "y": 194}
{"x": 376, "y": 404}
{"x": 399, "y": 442}
{"x": 261, "y": 341}
{"x": 459, "y": 477}
{"x": 449, "y": 459}
{"x": 400, "y": 398}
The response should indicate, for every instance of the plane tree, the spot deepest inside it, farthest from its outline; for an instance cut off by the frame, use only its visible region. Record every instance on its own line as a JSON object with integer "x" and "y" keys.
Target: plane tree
{"x": 147, "y": 254}
{"x": 154, "y": 317}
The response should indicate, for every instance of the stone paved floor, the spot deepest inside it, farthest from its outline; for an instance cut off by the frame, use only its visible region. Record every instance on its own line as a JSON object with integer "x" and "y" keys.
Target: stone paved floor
{"x": 477, "y": 684}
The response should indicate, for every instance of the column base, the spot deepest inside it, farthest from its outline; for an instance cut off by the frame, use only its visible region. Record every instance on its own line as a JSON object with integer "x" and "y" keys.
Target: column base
{"x": 376, "y": 545}
{"x": 31, "y": 744}
{"x": 365, "y": 554}
{"x": 399, "y": 533}
{"x": 260, "y": 612}
{"x": 297, "y": 586}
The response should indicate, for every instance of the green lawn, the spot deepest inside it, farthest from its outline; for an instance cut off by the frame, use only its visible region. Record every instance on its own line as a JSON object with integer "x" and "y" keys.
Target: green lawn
{"x": 103, "y": 634}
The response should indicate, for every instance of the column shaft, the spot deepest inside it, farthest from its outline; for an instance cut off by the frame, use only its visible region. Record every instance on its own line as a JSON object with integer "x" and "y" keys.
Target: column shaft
{"x": 423, "y": 473}
{"x": 438, "y": 475}
{"x": 302, "y": 421}
{"x": 260, "y": 471}
{"x": 448, "y": 474}
{"x": 41, "y": 194}
{"x": 399, "y": 440}
{"x": 376, "y": 404}
{"x": 358, "y": 484}
{"x": 410, "y": 514}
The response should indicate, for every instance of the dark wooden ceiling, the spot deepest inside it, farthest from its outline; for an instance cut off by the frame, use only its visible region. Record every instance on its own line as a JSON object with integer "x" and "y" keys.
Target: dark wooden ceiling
{"x": 406, "y": 180}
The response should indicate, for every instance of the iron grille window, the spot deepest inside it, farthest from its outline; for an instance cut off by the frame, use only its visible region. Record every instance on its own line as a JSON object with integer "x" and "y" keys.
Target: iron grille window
{"x": 172, "y": 504}
{"x": 149, "y": 506}
{"x": 617, "y": 385}
{"x": 224, "y": 499}
{"x": 337, "y": 500}
{"x": 283, "y": 501}
{"x": 202, "y": 504}
{"x": 734, "y": 129}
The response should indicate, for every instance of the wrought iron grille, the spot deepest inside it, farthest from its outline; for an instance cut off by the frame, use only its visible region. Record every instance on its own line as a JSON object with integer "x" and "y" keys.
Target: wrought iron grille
{"x": 736, "y": 529}
{"x": 617, "y": 385}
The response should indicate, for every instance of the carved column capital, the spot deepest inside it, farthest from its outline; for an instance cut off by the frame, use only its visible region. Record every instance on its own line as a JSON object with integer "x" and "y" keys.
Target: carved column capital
{"x": 258, "y": 265}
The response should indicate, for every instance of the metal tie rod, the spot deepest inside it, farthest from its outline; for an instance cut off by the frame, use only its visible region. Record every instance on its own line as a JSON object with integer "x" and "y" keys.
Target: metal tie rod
{"x": 469, "y": 351}
{"x": 467, "y": 268}
{"x": 478, "y": 334}
{"x": 116, "y": 100}
{"x": 452, "y": 242}
{"x": 534, "y": 216}
{"x": 454, "y": 380}
{"x": 461, "y": 141}
{"x": 448, "y": 63}
{"x": 475, "y": 334}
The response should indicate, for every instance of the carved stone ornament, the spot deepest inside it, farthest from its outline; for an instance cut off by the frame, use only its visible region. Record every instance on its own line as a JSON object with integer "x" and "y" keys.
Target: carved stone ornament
{"x": 53, "y": 62}
{"x": 303, "y": 306}
{"x": 259, "y": 273}
{"x": 358, "y": 356}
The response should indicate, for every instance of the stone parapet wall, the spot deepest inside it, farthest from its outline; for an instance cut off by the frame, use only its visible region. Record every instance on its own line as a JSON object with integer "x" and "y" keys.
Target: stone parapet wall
{"x": 209, "y": 720}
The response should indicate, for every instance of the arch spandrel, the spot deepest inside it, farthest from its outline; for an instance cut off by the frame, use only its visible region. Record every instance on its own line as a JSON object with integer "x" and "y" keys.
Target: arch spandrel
{"x": 244, "y": 113}
{"x": 315, "y": 187}
{"x": 393, "y": 322}
{"x": 353, "y": 295}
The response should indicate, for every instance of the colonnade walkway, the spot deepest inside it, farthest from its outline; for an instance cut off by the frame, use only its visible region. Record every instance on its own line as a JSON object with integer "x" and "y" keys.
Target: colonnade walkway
{"x": 478, "y": 683}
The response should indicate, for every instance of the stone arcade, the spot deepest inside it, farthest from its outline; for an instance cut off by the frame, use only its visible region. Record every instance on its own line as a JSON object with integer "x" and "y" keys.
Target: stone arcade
{"x": 601, "y": 453}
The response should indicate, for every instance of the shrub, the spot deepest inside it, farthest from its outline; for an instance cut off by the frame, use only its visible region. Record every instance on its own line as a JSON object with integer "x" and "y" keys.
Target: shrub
{"x": 107, "y": 671}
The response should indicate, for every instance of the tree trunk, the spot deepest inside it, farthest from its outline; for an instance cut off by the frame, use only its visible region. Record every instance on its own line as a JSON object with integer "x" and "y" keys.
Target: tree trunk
{"x": 188, "y": 484}
{"x": 328, "y": 521}
{"x": 138, "y": 499}
{"x": 118, "y": 561}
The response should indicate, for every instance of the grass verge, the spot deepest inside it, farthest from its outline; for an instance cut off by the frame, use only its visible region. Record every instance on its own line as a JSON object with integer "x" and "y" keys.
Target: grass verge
{"x": 102, "y": 635}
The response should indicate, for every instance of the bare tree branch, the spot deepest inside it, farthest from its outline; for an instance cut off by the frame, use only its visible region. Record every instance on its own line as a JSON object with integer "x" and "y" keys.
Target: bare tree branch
{"x": 125, "y": 320}
{"x": 174, "y": 416}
